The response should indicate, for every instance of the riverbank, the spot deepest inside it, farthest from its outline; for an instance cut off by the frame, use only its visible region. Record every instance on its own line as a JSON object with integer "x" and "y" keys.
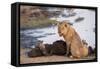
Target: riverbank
{"x": 38, "y": 23}
{"x": 24, "y": 59}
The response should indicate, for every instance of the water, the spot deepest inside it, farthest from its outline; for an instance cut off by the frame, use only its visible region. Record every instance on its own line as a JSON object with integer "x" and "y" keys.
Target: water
{"x": 47, "y": 35}
{"x": 84, "y": 27}
{"x": 50, "y": 34}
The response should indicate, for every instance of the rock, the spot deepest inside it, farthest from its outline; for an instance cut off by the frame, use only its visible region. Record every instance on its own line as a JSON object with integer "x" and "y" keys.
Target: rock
{"x": 79, "y": 19}
{"x": 35, "y": 52}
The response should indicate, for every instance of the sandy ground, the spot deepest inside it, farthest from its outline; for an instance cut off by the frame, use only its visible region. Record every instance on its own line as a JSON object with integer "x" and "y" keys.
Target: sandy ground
{"x": 24, "y": 59}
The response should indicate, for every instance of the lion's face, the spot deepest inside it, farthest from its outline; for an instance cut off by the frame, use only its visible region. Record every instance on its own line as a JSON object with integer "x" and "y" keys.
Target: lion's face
{"x": 63, "y": 28}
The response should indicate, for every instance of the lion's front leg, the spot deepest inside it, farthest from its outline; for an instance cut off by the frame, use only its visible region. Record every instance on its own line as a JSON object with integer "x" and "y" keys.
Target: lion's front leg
{"x": 67, "y": 48}
{"x": 67, "y": 52}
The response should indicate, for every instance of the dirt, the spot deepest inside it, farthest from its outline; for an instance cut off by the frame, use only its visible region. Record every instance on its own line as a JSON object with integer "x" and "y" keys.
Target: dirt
{"x": 24, "y": 59}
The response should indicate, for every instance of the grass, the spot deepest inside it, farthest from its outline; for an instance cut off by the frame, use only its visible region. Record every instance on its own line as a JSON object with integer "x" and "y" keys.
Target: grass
{"x": 38, "y": 23}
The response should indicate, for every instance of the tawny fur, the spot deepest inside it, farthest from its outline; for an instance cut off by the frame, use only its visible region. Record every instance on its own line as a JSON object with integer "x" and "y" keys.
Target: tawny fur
{"x": 73, "y": 40}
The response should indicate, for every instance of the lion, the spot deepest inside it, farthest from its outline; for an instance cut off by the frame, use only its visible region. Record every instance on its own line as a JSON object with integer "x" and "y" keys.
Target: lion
{"x": 73, "y": 40}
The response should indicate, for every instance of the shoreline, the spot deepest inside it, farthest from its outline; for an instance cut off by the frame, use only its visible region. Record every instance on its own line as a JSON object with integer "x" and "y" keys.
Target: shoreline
{"x": 24, "y": 59}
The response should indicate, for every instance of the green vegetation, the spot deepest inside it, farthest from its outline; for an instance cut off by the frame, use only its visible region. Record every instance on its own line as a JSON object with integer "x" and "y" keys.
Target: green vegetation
{"x": 38, "y": 23}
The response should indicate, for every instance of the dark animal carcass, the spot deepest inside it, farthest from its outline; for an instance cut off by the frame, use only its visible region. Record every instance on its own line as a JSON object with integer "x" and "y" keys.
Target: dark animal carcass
{"x": 91, "y": 50}
{"x": 59, "y": 48}
{"x": 35, "y": 52}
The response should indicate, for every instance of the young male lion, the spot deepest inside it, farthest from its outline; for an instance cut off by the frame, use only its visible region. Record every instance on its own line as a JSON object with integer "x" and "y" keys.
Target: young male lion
{"x": 73, "y": 41}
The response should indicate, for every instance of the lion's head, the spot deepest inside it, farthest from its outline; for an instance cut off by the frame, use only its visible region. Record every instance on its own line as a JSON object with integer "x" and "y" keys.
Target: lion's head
{"x": 63, "y": 28}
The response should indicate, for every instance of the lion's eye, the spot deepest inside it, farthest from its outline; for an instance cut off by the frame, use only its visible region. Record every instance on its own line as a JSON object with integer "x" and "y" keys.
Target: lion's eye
{"x": 65, "y": 25}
